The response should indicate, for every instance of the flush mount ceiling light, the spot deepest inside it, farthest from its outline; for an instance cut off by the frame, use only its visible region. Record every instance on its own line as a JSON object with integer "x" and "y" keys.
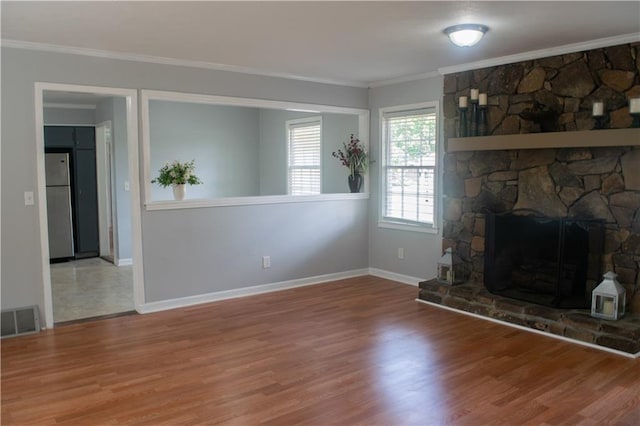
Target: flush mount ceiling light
{"x": 465, "y": 35}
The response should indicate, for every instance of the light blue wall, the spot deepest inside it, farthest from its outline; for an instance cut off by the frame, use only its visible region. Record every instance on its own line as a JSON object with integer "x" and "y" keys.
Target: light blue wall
{"x": 222, "y": 139}
{"x": 421, "y": 250}
{"x": 69, "y": 116}
{"x": 212, "y": 245}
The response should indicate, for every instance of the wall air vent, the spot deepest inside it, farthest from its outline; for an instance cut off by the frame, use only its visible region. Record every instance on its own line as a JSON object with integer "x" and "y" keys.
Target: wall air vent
{"x": 16, "y": 322}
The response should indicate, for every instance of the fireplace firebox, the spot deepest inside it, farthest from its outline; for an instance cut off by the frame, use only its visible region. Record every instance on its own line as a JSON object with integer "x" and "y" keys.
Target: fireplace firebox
{"x": 542, "y": 260}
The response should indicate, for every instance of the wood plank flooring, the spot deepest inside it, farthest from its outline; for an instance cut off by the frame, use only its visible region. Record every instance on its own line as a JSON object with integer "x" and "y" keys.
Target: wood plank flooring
{"x": 356, "y": 351}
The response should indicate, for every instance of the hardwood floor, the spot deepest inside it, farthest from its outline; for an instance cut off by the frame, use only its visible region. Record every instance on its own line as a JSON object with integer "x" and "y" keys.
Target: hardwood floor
{"x": 357, "y": 351}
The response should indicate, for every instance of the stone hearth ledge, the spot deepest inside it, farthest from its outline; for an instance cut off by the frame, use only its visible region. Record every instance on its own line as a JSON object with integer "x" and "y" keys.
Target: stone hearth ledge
{"x": 622, "y": 336}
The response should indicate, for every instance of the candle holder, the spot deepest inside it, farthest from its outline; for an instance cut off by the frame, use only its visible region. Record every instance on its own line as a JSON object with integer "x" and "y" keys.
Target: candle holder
{"x": 474, "y": 117}
{"x": 634, "y": 110}
{"x": 482, "y": 120}
{"x": 463, "y": 131}
{"x": 600, "y": 121}
{"x": 598, "y": 114}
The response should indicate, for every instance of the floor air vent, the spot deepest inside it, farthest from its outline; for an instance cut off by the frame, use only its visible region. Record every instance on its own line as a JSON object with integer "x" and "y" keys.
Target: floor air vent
{"x": 15, "y": 322}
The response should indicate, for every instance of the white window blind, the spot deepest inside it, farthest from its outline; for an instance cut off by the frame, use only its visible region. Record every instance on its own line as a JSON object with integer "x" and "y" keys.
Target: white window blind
{"x": 304, "y": 155}
{"x": 410, "y": 166}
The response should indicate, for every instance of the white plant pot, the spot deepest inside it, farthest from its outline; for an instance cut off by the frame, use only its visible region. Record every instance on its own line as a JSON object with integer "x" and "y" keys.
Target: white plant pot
{"x": 179, "y": 191}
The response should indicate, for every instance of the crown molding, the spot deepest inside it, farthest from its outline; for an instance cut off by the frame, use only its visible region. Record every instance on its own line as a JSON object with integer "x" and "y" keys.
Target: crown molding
{"x": 543, "y": 53}
{"x": 502, "y": 60}
{"x": 413, "y": 77}
{"x": 106, "y": 54}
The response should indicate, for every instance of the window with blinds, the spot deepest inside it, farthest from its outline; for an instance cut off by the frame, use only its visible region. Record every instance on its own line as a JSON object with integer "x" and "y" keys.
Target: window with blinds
{"x": 409, "y": 169}
{"x": 304, "y": 137}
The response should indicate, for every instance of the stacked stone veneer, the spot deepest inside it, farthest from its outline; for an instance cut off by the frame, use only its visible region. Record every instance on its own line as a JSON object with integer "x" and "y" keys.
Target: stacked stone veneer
{"x": 599, "y": 183}
{"x": 596, "y": 183}
{"x": 564, "y": 86}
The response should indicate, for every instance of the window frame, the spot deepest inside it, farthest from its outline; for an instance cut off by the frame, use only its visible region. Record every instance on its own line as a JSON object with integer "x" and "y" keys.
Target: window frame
{"x": 400, "y": 224}
{"x": 298, "y": 121}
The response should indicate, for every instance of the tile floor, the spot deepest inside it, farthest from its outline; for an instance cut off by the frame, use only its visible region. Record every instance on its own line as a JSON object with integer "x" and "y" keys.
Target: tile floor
{"x": 90, "y": 287}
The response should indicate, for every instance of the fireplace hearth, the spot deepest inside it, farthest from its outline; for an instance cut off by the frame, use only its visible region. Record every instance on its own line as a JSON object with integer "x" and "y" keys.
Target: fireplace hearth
{"x": 575, "y": 324}
{"x": 549, "y": 261}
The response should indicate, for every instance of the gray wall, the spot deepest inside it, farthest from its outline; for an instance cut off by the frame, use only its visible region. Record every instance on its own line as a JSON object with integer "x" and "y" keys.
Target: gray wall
{"x": 222, "y": 248}
{"x": 421, "y": 250}
{"x": 222, "y": 139}
{"x": 300, "y": 250}
{"x": 115, "y": 110}
{"x": 239, "y": 151}
{"x": 273, "y": 149}
{"x": 336, "y": 129}
{"x": 69, "y": 116}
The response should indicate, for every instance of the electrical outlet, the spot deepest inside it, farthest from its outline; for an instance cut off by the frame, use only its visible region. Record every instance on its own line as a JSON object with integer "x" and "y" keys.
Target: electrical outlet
{"x": 400, "y": 253}
{"x": 28, "y": 198}
{"x": 266, "y": 262}
{"x": 126, "y": 186}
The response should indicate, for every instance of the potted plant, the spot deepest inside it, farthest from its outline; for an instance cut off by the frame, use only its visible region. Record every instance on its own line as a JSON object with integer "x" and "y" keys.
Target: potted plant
{"x": 177, "y": 175}
{"x": 355, "y": 158}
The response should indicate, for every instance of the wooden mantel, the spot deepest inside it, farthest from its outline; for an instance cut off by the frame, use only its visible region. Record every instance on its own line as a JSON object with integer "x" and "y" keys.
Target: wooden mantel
{"x": 577, "y": 139}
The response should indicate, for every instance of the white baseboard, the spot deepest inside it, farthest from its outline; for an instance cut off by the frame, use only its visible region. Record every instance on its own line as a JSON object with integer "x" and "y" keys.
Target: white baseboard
{"x": 246, "y": 291}
{"x": 124, "y": 262}
{"x": 393, "y": 276}
{"x": 532, "y": 330}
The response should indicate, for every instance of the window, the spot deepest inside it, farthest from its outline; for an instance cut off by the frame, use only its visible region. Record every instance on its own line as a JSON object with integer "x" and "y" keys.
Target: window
{"x": 304, "y": 155}
{"x": 409, "y": 136}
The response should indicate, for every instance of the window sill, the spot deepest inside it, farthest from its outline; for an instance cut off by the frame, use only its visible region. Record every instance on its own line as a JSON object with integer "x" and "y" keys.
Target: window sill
{"x": 425, "y": 229}
{"x": 249, "y": 201}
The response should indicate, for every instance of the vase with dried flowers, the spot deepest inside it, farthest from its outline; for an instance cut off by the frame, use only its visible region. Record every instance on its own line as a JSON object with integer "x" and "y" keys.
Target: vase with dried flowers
{"x": 177, "y": 175}
{"x": 355, "y": 158}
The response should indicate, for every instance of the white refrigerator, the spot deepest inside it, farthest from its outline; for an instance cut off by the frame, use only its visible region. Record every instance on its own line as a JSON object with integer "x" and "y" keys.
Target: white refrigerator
{"x": 59, "y": 206}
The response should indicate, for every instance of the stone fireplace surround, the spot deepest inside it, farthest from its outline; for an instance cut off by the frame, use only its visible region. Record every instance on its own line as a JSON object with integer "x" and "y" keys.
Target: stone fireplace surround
{"x": 586, "y": 182}
{"x": 576, "y": 172}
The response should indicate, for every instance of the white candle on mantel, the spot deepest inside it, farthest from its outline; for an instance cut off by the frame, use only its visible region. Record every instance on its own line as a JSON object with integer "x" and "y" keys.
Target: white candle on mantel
{"x": 474, "y": 94}
{"x": 598, "y": 109}
{"x": 607, "y": 307}
{"x": 462, "y": 102}
{"x": 482, "y": 99}
{"x": 634, "y": 105}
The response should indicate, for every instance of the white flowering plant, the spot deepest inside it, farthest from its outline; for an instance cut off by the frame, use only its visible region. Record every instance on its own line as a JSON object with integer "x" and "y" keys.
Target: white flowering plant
{"x": 177, "y": 173}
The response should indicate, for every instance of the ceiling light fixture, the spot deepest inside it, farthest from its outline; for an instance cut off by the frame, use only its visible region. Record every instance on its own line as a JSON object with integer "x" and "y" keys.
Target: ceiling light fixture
{"x": 465, "y": 35}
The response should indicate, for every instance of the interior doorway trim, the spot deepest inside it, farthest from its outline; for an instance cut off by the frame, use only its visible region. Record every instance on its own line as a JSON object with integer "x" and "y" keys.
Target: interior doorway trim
{"x": 107, "y": 226}
{"x": 131, "y": 96}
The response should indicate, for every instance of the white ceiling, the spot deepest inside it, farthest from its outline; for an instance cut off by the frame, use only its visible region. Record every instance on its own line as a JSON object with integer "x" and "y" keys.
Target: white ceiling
{"x": 350, "y": 42}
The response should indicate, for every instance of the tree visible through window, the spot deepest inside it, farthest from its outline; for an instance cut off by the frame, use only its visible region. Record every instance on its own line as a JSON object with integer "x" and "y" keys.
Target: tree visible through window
{"x": 409, "y": 139}
{"x": 304, "y": 155}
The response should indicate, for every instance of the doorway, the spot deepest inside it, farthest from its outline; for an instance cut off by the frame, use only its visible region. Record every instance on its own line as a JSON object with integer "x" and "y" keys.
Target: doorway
{"x": 110, "y": 282}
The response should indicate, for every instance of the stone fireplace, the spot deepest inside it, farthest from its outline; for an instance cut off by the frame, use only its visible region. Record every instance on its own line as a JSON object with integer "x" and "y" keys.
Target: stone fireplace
{"x": 575, "y": 173}
{"x": 584, "y": 183}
